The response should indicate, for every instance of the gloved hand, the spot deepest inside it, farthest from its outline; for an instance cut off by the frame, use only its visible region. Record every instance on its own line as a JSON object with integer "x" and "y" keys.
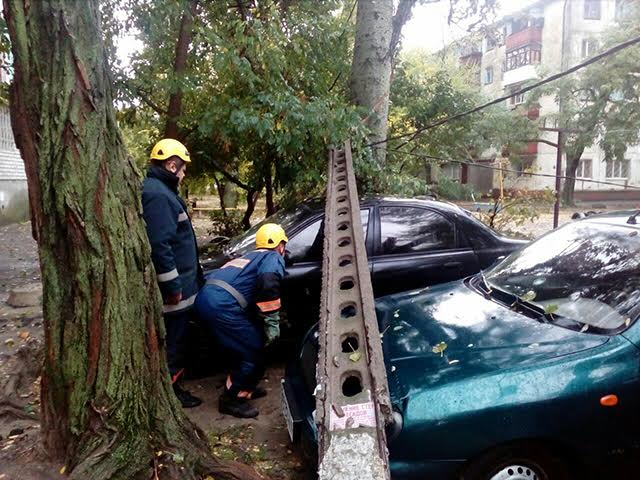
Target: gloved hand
{"x": 173, "y": 298}
{"x": 271, "y": 326}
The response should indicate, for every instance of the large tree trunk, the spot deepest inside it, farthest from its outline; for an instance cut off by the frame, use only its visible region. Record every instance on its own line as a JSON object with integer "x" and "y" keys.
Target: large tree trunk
{"x": 371, "y": 68}
{"x": 180, "y": 64}
{"x": 108, "y": 410}
{"x": 378, "y": 33}
{"x": 573, "y": 161}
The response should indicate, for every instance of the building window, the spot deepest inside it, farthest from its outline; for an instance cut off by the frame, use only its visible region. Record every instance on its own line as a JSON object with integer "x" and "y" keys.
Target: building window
{"x": 589, "y": 47}
{"x": 526, "y": 55}
{"x": 592, "y": 9}
{"x": 584, "y": 169}
{"x": 488, "y": 75}
{"x": 491, "y": 43}
{"x": 624, "y": 8}
{"x": 617, "y": 168}
{"x": 518, "y": 99}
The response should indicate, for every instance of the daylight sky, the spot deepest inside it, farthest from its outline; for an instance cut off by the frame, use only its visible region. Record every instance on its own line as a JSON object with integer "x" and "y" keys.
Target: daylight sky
{"x": 428, "y": 27}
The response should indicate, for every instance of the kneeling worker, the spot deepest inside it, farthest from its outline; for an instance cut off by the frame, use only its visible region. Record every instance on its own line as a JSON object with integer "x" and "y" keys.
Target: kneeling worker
{"x": 240, "y": 303}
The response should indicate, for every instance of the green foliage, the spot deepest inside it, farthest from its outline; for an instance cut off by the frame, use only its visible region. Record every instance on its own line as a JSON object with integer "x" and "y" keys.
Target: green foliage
{"x": 449, "y": 189}
{"x": 264, "y": 93}
{"x": 515, "y": 209}
{"x": 428, "y": 88}
{"x": 227, "y": 224}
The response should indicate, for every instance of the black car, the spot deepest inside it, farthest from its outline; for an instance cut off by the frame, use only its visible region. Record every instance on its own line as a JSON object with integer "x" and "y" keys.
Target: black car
{"x": 411, "y": 243}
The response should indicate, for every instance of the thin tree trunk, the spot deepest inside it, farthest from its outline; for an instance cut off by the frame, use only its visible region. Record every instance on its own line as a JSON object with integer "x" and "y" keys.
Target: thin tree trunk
{"x": 220, "y": 187}
{"x": 268, "y": 196}
{"x": 180, "y": 64}
{"x": 108, "y": 410}
{"x": 573, "y": 161}
{"x": 252, "y": 199}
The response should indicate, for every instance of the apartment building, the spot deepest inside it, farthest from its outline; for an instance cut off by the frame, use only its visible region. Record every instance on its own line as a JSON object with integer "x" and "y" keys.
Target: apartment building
{"x": 547, "y": 37}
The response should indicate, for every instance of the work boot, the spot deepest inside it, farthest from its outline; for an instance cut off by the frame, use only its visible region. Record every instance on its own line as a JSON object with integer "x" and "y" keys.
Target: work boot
{"x": 238, "y": 407}
{"x": 186, "y": 399}
{"x": 259, "y": 392}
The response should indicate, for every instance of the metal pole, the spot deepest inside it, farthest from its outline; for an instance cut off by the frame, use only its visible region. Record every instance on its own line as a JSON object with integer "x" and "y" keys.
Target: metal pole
{"x": 556, "y": 207}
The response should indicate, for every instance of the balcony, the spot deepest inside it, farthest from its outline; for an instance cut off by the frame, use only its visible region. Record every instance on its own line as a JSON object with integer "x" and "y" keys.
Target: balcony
{"x": 524, "y": 37}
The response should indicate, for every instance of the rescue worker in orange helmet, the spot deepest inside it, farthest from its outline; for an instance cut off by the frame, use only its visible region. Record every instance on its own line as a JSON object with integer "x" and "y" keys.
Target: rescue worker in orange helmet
{"x": 240, "y": 304}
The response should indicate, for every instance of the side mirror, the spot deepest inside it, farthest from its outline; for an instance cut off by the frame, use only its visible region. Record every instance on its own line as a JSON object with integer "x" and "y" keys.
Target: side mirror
{"x": 287, "y": 258}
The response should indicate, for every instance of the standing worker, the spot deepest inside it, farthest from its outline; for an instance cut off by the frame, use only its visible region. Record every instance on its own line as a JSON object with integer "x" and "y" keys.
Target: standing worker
{"x": 174, "y": 252}
{"x": 240, "y": 303}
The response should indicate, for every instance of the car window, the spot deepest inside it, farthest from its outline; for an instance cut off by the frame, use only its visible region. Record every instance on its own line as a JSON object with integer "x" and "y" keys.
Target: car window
{"x": 306, "y": 246}
{"x": 587, "y": 272}
{"x": 411, "y": 230}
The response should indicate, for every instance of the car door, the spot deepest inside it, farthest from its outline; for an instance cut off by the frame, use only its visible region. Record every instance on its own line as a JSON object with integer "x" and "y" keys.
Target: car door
{"x": 302, "y": 281}
{"x": 416, "y": 247}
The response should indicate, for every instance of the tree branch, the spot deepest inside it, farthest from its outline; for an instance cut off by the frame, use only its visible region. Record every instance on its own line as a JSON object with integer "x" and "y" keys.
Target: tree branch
{"x": 402, "y": 16}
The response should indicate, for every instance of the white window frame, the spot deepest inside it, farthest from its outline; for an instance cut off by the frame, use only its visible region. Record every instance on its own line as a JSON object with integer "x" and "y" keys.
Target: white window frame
{"x": 592, "y": 9}
{"x": 580, "y": 173}
{"x": 617, "y": 169}
{"x": 488, "y": 75}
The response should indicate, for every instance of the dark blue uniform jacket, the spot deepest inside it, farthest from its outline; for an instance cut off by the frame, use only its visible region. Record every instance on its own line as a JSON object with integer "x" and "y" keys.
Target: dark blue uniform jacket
{"x": 173, "y": 243}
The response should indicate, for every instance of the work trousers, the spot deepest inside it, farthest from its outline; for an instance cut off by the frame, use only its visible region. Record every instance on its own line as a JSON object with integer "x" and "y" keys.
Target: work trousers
{"x": 176, "y": 325}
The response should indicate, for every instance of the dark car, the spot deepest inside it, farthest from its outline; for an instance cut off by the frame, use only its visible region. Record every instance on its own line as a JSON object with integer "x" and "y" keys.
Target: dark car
{"x": 530, "y": 370}
{"x": 410, "y": 243}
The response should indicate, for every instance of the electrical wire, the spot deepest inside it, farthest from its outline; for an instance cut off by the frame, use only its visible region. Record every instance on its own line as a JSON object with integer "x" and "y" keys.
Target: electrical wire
{"x": 615, "y": 49}
{"x": 479, "y": 165}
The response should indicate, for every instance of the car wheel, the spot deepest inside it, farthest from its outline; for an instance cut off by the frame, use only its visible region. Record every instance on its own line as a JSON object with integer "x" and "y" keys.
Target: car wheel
{"x": 517, "y": 463}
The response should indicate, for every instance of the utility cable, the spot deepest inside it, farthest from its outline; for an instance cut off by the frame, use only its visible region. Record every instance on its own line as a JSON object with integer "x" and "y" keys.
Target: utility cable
{"x": 479, "y": 165}
{"x": 552, "y": 78}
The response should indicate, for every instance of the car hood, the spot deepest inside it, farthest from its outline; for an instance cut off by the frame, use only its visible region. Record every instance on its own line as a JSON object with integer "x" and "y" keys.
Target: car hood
{"x": 450, "y": 332}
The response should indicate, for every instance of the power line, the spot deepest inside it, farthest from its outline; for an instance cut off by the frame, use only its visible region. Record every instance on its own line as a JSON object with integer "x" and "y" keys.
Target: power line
{"x": 479, "y": 165}
{"x": 552, "y": 78}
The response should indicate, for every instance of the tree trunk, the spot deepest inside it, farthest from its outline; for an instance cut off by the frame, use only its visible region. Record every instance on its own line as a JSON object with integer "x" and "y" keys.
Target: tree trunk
{"x": 252, "y": 199}
{"x": 573, "y": 161}
{"x": 268, "y": 195}
{"x": 371, "y": 68}
{"x": 182, "y": 48}
{"x": 220, "y": 187}
{"x": 108, "y": 409}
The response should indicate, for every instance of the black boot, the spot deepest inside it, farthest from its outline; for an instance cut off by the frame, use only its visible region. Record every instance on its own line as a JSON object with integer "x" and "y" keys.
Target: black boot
{"x": 259, "y": 392}
{"x": 238, "y": 407}
{"x": 186, "y": 399}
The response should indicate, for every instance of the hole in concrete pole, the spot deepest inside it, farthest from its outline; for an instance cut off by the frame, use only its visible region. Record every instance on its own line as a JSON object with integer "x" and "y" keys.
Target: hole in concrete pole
{"x": 348, "y": 310}
{"x": 342, "y": 199}
{"x": 346, "y": 283}
{"x": 345, "y": 261}
{"x": 342, "y": 188}
{"x": 344, "y": 241}
{"x": 350, "y": 343}
{"x": 343, "y": 211}
{"x": 341, "y": 170}
{"x": 352, "y": 384}
{"x": 341, "y": 178}
{"x": 343, "y": 226}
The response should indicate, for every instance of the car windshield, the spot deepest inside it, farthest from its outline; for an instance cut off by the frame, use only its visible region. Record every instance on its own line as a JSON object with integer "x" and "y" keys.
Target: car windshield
{"x": 286, "y": 218}
{"x": 586, "y": 271}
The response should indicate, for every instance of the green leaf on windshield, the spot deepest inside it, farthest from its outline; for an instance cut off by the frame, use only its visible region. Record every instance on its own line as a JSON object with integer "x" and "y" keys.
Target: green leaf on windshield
{"x": 549, "y": 309}
{"x": 529, "y": 296}
{"x": 439, "y": 348}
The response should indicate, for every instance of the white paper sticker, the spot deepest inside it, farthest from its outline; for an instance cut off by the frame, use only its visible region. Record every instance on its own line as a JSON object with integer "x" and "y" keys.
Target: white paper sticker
{"x": 363, "y": 415}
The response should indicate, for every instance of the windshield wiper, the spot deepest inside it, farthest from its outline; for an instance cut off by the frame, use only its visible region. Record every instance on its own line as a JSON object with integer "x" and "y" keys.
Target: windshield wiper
{"x": 632, "y": 219}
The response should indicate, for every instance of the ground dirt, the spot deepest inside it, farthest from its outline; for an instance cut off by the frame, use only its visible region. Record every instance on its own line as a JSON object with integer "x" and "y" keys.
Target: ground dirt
{"x": 262, "y": 442}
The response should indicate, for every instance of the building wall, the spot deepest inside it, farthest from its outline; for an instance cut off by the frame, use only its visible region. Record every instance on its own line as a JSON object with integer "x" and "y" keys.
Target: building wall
{"x": 14, "y": 202}
{"x": 563, "y": 32}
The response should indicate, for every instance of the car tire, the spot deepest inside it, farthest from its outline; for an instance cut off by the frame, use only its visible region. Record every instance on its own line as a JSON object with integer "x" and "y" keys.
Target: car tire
{"x": 522, "y": 462}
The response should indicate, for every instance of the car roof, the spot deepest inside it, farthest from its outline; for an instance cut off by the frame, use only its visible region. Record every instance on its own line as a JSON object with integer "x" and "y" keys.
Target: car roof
{"x": 318, "y": 203}
{"x": 619, "y": 218}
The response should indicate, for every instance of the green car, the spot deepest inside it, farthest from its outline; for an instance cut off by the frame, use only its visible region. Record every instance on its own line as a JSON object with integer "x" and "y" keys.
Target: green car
{"x": 530, "y": 370}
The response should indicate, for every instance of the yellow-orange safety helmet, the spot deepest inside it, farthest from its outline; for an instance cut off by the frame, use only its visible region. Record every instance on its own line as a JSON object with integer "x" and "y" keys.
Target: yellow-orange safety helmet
{"x": 167, "y": 148}
{"x": 270, "y": 235}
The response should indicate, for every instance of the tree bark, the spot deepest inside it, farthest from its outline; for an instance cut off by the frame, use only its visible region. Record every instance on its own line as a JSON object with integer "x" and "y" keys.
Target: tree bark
{"x": 180, "y": 64}
{"x": 370, "y": 81}
{"x": 252, "y": 199}
{"x": 268, "y": 195}
{"x": 108, "y": 409}
{"x": 573, "y": 161}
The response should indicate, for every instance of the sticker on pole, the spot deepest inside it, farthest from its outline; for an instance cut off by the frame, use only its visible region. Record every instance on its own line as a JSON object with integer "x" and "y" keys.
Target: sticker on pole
{"x": 352, "y": 416}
